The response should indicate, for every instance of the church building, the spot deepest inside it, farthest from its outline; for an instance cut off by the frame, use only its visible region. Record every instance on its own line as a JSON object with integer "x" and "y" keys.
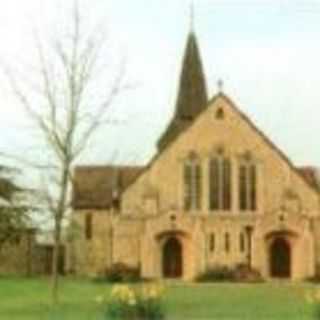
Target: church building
{"x": 218, "y": 192}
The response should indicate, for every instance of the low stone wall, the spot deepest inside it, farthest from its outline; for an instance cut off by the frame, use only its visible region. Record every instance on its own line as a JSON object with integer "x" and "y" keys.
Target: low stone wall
{"x": 16, "y": 255}
{"x": 26, "y": 258}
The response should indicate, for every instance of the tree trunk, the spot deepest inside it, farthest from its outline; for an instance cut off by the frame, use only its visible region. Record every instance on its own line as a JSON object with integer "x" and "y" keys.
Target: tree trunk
{"x": 57, "y": 234}
{"x": 55, "y": 263}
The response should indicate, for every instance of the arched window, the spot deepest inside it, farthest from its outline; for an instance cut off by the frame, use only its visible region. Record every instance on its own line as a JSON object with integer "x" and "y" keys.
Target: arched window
{"x": 227, "y": 242}
{"x": 242, "y": 242}
{"x": 220, "y": 183}
{"x": 192, "y": 184}
{"x": 248, "y": 186}
{"x": 212, "y": 242}
{"x": 226, "y": 196}
{"x": 88, "y": 226}
{"x": 219, "y": 114}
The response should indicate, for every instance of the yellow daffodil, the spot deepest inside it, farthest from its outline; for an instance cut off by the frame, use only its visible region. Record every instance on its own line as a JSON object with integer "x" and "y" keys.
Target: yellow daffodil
{"x": 152, "y": 291}
{"x": 317, "y": 295}
{"x": 123, "y": 293}
{"x": 310, "y": 297}
{"x": 137, "y": 300}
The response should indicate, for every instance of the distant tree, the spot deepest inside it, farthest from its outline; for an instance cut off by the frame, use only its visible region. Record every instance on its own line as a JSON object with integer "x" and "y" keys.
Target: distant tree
{"x": 8, "y": 187}
{"x": 68, "y": 111}
{"x": 14, "y": 214}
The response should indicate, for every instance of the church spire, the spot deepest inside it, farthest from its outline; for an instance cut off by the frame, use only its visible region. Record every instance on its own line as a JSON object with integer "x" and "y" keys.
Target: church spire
{"x": 192, "y": 95}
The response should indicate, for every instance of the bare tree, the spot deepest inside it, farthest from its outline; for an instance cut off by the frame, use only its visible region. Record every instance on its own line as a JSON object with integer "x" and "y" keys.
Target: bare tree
{"x": 65, "y": 114}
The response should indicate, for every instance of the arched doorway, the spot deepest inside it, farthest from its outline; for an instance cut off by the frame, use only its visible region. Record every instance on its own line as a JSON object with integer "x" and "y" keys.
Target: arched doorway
{"x": 280, "y": 258}
{"x": 172, "y": 258}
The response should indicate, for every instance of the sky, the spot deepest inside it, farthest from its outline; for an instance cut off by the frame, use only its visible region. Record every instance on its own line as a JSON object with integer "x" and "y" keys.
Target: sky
{"x": 266, "y": 52}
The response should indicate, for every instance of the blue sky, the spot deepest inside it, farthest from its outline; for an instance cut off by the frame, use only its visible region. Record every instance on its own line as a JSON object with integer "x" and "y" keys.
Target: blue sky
{"x": 266, "y": 52}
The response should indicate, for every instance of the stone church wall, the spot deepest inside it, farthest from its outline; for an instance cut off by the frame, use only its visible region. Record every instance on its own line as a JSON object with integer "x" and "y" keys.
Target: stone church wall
{"x": 114, "y": 239}
{"x": 285, "y": 205}
{"x": 90, "y": 256}
{"x": 315, "y": 225}
{"x": 276, "y": 176}
{"x": 16, "y": 257}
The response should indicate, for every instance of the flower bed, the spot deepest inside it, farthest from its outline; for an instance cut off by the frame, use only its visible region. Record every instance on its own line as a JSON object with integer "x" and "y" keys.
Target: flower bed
{"x": 313, "y": 298}
{"x": 139, "y": 302}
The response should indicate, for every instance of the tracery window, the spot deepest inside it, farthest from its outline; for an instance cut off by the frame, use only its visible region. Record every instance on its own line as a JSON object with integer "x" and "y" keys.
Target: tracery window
{"x": 219, "y": 183}
{"x": 192, "y": 183}
{"x": 248, "y": 186}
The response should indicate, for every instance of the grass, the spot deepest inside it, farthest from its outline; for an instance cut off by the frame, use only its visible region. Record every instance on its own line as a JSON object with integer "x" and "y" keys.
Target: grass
{"x": 26, "y": 299}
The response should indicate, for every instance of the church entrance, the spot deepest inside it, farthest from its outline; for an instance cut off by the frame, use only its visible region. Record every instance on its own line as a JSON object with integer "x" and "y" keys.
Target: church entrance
{"x": 172, "y": 258}
{"x": 280, "y": 258}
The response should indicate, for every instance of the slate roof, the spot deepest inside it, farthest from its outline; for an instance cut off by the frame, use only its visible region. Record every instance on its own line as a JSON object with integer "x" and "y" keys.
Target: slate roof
{"x": 96, "y": 187}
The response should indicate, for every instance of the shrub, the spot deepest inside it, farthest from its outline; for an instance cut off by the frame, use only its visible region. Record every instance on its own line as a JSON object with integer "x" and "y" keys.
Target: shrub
{"x": 239, "y": 273}
{"x": 315, "y": 278}
{"x": 136, "y": 303}
{"x": 216, "y": 274}
{"x": 120, "y": 272}
{"x": 244, "y": 273}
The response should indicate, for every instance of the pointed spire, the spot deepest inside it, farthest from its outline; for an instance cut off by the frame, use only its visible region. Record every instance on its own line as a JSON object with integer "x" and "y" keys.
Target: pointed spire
{"x": 192, "y": 95}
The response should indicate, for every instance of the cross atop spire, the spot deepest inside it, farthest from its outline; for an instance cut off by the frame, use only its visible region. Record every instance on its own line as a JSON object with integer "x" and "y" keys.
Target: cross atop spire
{"x": 220, "y": 85}
{"x": 191, "y": 16}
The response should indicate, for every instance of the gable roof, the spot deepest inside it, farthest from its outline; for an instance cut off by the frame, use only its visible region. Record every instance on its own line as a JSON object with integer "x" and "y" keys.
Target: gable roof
{"x": 301, "y": 173}
{"x": 96, "y": 187}
{"x": 266, "y": 139}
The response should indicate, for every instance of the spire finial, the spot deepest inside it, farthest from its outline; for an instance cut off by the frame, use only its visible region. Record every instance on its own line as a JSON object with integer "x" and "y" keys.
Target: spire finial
{"x": 191, "y": 16}
{"x": 220, "y": 85}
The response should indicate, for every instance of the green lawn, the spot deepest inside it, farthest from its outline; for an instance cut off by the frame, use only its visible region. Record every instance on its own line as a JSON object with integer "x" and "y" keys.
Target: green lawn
{"x": 29, "y": 299}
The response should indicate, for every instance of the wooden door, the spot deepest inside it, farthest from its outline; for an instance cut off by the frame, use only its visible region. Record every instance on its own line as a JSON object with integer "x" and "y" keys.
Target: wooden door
{"x": 280, "y": 258}
{"x": 172, "y": 259}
